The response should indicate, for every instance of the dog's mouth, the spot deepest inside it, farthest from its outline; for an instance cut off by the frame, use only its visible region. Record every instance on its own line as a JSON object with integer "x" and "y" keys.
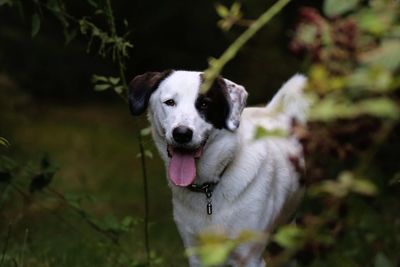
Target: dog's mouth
{"x": 182, "y": 165}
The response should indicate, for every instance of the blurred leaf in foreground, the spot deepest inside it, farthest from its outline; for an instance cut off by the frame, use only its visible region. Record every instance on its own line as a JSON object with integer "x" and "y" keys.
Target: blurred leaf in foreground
{"x": 261, "y": 132}
{"x": 387, "y": 55}
{"x": 331, "y": 109}
{"x": 215, "y": 246}
{"x": 333, "y": 8}
{"x": 289, "y": 236}
{"x": 345, "y": 183}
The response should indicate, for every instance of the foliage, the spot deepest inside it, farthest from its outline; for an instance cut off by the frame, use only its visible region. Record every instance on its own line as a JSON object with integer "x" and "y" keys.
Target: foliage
{"x": 216, "y": 65}
{"x": 351, "y": 135}
{"x": 102, "y": 83}
{"x": 215, "y": 245}
{"x": 32, "y": 182}
{"x": 106, "y": 42}
{"x": 109, "y": 43}
{"x": 349, "y": 216}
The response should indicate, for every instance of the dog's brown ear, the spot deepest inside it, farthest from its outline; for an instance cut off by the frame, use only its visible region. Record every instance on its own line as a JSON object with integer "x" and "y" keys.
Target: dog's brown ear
{"x": 140, "y": 89}
{"x": 237, "y": 97}
{"x": 225, "y": 103}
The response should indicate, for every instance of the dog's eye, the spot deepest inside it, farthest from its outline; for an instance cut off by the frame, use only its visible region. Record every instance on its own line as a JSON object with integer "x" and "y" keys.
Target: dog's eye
{"x": 170, "y": 102}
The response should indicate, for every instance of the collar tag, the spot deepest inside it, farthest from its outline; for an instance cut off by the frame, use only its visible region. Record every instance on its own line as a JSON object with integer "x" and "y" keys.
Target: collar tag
{"x": 209, "y": 207}
{"x": 207, "y": 189}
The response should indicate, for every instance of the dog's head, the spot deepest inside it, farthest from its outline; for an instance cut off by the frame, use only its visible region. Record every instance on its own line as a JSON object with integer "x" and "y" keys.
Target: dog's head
{"x": 183, "y": 116}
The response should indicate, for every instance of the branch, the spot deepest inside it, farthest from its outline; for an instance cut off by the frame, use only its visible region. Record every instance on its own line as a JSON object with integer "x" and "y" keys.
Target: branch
{"x": 216, "y": 65}
{"x": 120, "y": 58}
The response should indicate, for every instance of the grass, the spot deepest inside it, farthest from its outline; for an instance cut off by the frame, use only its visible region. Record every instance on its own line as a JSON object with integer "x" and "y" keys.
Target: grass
{"x": 95, "y": 147}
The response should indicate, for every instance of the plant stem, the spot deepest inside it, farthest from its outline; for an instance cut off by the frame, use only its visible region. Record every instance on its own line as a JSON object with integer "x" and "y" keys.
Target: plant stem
{"x": 121, "y": 67}
{"x": 146, "y": 199}
{"x": 216, "y": 65}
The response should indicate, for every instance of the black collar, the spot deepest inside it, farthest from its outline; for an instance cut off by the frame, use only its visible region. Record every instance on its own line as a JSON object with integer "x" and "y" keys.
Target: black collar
{"x": 207, "y": 189}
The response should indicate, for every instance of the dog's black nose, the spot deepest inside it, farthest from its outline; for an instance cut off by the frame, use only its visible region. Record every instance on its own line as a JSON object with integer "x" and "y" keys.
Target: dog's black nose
{"x": 182, "y": 134}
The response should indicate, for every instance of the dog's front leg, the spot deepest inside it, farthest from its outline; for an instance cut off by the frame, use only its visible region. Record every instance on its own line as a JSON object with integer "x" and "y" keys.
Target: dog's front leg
{"x": 189, "y": 241}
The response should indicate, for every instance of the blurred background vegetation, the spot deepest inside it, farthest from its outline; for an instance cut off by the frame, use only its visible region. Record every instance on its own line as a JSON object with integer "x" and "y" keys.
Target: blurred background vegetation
{"x": 71, "y": 188}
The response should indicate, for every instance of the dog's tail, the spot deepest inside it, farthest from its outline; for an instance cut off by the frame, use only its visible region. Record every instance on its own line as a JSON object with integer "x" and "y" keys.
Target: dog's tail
{"x": 291, "y": 100}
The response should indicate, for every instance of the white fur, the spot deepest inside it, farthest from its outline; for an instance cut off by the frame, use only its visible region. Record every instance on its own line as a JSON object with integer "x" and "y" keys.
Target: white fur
{"x": 259, "y": 185}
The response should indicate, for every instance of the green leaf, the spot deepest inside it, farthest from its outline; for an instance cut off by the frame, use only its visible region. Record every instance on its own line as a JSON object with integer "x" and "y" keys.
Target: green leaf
{"x": 356, "y": 184}
{"x": 145, "y": 131}
{"x": 35, "y": 24}
{"x": 364, "y": 187}
{"x": 119, "y": 89}
{"x": 98, "y": 78}
{"x": 381, "y": 107}
{"x": 376, "y": 23}
{"x": 330, "y": 109}
{"x": 101, "y": 87}
{"x": 148, "y": 154}
{"x": 375, "y": 79}
{"x": 345, "y": 183}
{"x": 222, "y": 10}
{"x": 4, "y": 142}
{"x": 114, "y": 80}
{"x": 214, "y": 246}
{"x": 333, "y": 8}
{"x": 213, "y": 249}
{"x": 212, "y": 254}
{"x": 382, "y": 261}
{"x": 261, "y": 132}
{"x": 289, "y": 236}
{"x": 333, "y": 188}
{"x": 235, "y": 9}
{"x": 387, "y": 55}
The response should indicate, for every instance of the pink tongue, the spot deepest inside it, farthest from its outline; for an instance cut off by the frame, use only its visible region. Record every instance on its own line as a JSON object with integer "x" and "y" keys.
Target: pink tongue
{"x": 182, "y": 168}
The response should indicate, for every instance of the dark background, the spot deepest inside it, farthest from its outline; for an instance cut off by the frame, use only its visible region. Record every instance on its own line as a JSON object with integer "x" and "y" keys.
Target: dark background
{"x": 172, "y": 34}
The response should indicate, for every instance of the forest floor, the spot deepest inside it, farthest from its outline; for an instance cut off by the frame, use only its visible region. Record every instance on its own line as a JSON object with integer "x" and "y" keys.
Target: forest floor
{"x": 95, "y": 148}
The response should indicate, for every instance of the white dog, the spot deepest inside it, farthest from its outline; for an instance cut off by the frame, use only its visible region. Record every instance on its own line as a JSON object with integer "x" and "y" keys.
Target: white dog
{"x": 220, "y": 175}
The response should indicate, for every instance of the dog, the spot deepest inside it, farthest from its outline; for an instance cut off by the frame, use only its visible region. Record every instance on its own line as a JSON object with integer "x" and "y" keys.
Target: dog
{"x": 219, "y": 173}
